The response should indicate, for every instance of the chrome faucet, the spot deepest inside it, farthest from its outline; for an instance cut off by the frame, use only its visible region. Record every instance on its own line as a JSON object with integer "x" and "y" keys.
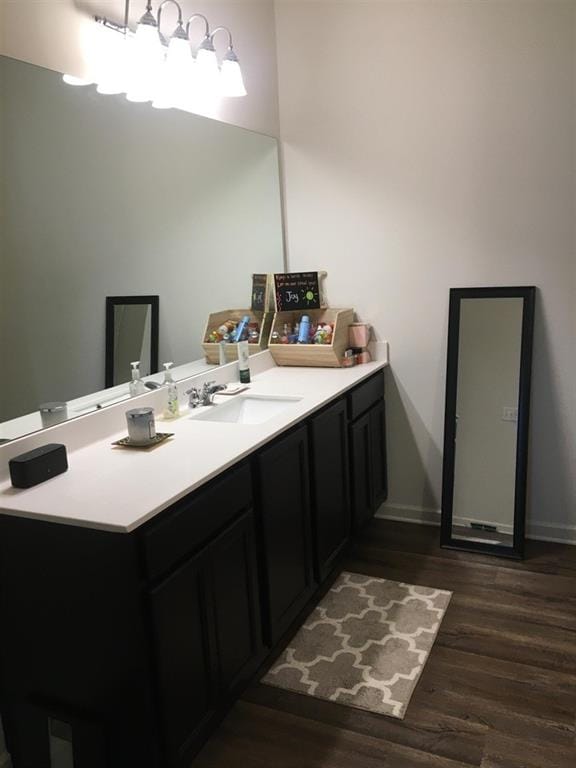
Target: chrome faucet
{"x": 205, "y": 396}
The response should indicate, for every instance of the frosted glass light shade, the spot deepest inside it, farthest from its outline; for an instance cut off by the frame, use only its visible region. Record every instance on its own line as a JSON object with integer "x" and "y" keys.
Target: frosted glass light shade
{"x": 144, "y": 64}
{"x": 231, "y": 80}
{"x": 147, "y": 41}
{"x": 207, "y": 70}
{"x": 176, "y": 75}
{"x": 112, "y": 63}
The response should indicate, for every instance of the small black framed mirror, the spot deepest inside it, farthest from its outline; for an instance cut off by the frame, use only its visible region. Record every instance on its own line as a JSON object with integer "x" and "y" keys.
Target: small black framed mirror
{"x": 488, "y": 376}
{"x": 132, "y": 333}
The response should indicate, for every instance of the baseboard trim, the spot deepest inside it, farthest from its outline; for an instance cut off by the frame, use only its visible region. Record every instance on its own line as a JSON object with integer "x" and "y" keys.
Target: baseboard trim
{"x": 404, "y": 513}
{"x": 537, "y": 531}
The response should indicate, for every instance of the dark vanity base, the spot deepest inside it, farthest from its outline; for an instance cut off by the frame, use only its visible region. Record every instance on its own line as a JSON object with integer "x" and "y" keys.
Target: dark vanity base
{"x": 137, "y": 644}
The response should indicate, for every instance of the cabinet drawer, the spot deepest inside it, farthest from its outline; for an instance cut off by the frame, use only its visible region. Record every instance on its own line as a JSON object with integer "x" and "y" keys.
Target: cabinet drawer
{"x": 365, "y": 395}
{"x": 195, "y": 519}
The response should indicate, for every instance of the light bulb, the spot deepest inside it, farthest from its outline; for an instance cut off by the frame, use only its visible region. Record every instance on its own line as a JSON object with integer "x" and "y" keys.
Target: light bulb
{"x": 231, "y": 80}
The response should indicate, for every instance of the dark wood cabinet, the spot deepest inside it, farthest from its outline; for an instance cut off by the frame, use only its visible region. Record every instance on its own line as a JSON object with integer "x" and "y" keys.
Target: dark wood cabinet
{"x": 286, "y": 530}
{"x": 368, "y": 470}
{"x": 207, "y": 635}
{"x": 361, "y": 471}
{"x": 377, "y": 416}
{"x": 184, "y": 655}
{"x": 236, "y": 605}
{"x": 330, "y": 495}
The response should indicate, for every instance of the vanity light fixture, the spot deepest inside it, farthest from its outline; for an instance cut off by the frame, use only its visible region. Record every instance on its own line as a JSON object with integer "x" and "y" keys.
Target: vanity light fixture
{"x": 147, "y": 66}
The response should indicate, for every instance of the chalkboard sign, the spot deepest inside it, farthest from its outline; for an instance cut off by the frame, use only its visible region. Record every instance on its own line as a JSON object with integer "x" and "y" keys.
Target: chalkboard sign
{"x": 297, "y": 290}
{"x": 259, "y": 292}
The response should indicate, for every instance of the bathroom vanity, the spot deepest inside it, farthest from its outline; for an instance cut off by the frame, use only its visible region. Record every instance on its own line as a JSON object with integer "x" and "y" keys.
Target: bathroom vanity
{"x": 141, "y": 592}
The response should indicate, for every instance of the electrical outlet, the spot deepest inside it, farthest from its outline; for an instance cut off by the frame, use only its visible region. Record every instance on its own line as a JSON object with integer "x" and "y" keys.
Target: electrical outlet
{"x": 509, "y": 413}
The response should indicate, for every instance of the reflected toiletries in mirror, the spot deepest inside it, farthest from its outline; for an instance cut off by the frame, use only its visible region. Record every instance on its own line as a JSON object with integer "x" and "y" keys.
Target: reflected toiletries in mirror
{"x": 103, "y": 197}
{"x": 487, "y": 406}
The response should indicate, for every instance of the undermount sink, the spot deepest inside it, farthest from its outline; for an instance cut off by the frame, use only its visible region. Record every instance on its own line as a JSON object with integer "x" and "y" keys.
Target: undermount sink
{"x": 248, "y": 409}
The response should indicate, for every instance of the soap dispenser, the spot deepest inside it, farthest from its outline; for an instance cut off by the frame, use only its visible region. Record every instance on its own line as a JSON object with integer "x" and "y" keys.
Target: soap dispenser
{"x": 172, "y": 409}
{"x": 136, "y": 386}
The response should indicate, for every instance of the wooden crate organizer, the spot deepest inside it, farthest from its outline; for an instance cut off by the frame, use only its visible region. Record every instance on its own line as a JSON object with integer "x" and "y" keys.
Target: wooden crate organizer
{"x": 216, "y": 319}
{"x": 320, "y": 355}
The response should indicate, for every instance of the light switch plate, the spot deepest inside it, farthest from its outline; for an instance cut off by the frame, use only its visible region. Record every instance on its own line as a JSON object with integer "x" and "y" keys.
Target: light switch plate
{"x": 509, "y": 413}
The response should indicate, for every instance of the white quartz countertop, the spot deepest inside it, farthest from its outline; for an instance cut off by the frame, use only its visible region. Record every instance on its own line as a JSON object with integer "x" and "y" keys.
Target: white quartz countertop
{"x": 117, "y": 489}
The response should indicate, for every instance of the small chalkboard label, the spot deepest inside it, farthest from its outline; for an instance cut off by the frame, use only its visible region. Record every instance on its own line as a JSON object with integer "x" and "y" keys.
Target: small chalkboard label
{"x": 259, "y": 292}
{"x": 297, "y": 290}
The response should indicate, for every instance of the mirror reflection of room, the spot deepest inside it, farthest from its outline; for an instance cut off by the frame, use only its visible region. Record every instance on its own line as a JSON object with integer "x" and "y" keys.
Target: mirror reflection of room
{"x": 486, "y": 412}
{"x": 106, "y": 197}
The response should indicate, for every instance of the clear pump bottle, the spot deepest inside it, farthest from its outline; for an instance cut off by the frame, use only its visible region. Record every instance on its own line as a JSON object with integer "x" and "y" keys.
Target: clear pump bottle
{"x": 136, "y": 386}
{"x": 172, "y": 409}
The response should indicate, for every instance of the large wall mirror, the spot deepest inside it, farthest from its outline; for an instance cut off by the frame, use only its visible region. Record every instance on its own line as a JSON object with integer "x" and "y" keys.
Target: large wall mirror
{"x": 103, "y": 197}
{"x": 486, "y": 421}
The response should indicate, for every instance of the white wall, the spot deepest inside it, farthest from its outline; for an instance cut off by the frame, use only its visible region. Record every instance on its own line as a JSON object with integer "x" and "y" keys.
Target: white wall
{"x": 55, "y": 34}
{"x": 430, "y": 144}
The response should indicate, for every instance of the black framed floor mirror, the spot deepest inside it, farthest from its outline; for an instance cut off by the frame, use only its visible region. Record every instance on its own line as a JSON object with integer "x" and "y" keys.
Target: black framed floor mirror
{"x": 132, "y": 334}
{"x": 487, "y": 412}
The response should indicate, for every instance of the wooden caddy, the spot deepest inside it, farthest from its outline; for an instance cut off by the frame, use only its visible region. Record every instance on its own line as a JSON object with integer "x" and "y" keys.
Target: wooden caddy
{"x": 317, "y": 355}
{"x": 215, "y": 320}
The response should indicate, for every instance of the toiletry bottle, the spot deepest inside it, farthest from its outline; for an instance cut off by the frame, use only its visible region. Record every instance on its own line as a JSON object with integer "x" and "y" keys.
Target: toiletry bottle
{"x": 136, "y": 386}
{"x": 243, "y": 362}
{"x": 172, "y": 408}
{"x": 242, "y": 328}
{"x": 304, "y": 332}
{"x": 222, "y": 352}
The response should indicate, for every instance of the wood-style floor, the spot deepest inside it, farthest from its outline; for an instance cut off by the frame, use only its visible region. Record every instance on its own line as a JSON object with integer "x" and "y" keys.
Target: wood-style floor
{"x": 498, "y": 690}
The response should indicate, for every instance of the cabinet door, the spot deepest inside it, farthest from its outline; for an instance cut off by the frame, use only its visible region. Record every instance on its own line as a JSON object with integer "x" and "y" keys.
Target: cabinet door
{"x": 236, "y": 604}
{"x": 185, "y": 668}
{"x": 378, "y": 454}
{"x": 329, "y": 485}
{"x": 285, "y": 509}
{"x": 361, "y": 471}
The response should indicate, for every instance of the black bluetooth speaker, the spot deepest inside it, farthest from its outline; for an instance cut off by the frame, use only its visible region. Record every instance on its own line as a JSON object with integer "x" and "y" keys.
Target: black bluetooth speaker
{"x": 38, "y": 465}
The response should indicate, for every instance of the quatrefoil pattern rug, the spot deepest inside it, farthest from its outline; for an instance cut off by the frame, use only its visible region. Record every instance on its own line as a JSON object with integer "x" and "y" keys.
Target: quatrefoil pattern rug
{"x": 364, "y": 645}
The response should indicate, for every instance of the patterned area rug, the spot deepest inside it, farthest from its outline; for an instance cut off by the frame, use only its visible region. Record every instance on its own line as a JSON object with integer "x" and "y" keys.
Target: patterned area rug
{"x": 364, "y": 645}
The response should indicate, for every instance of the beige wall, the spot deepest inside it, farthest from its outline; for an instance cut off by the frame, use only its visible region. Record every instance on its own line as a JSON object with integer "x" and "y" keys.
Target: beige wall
{"x": 53, "y": 34}
{"x": 429, "y": 145}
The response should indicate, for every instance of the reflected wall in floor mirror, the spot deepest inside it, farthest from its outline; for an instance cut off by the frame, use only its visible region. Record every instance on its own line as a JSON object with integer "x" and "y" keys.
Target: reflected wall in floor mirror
{"x": 486, "y": 420}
